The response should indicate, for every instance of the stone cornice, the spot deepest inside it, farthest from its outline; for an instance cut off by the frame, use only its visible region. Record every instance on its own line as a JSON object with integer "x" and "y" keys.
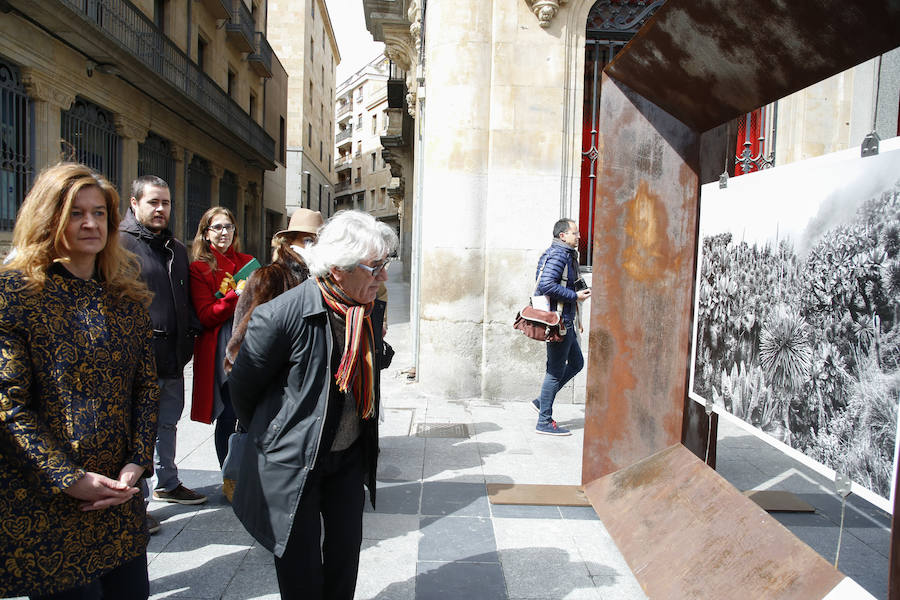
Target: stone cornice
{"x": 399, "y": 46}
{"x": 129, "y": 128}
{"x": 45, "y": 88}
{"x": 545, "y": 10}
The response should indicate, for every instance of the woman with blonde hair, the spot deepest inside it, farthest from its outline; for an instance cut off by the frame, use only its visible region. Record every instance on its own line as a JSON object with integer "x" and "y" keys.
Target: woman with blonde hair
{"x": 78, "y": 397}
{"x": 214, "y": 294}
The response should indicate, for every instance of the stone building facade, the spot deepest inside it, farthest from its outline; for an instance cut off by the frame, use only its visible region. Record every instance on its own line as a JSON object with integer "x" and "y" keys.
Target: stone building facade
{"x": 302, "y": 35}
{"x": 491, "y": 138}
{"x": 361, "y": 115}
{"x": 190, "y": 91}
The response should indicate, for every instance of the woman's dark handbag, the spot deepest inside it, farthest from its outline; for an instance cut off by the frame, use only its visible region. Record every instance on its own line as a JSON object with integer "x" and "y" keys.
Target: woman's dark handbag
{"x": 387, "y": 356}
{"x": 540, "y": 325}
{"x": 232, "y": 463}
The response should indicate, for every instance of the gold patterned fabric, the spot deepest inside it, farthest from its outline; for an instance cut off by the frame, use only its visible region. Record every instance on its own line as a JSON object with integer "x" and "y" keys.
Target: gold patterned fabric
{"x": 78, "y": 393}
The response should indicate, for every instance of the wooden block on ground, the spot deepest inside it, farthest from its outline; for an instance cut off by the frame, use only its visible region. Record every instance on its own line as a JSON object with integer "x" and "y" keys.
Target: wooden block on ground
{"x": 778, "y": 501}
{"x": 687, "y": 533}
{"x": 541, "y": 495}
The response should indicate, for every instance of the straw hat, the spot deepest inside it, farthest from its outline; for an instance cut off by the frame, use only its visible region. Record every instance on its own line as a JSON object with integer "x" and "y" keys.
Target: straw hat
{"x": 304, "y": 221}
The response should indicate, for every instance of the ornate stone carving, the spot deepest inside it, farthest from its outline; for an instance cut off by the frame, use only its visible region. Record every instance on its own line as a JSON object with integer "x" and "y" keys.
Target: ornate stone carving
{"x": 42, "y": 87}
{"x": 129, "y": 128}
{"x": 545, "y": 10}
{"x": 414, "y": 14}
{"x": 399, "y": 47}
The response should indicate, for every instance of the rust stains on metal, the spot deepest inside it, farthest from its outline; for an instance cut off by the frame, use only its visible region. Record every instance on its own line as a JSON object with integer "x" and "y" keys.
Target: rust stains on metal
{"x": 644, "y": 220}
{"x": 687, "y": 533}
{"x": 648, "y": 252}
{"x": 745, "y": 55}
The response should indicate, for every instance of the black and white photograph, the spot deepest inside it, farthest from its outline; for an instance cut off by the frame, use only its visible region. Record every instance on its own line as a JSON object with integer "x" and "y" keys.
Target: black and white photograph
{"x": 797, "y": 316}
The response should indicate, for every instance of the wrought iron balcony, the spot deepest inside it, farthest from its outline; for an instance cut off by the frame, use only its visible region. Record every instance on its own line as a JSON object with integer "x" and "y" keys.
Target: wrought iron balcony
{"x": 342, "y": 186}
{"x": 261, "y": 59}
{"x": 115, "y": 31}
{"x": 342, "y": 135}
{"x": 241, "y": 28}
{"x": 343, "y": 163}
{"x": 396, "y": 87}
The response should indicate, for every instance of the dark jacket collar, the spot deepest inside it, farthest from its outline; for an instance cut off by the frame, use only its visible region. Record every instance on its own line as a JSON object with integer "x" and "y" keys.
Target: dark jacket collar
{"x": 131, "y": 225}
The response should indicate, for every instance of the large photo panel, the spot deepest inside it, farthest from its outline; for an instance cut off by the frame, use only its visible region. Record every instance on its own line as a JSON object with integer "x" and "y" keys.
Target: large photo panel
{"x": 797, "y": 315}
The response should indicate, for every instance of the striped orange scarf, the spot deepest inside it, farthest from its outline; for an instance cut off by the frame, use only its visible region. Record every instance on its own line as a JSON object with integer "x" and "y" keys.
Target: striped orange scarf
{"x": 359, "y": 343}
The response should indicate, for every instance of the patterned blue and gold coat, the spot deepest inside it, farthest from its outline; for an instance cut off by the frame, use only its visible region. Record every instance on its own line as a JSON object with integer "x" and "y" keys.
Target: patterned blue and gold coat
{"x": 78, "y": 393}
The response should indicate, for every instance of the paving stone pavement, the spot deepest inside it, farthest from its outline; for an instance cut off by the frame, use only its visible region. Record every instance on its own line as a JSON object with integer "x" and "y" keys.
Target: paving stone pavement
{"x": 435, "y": 536}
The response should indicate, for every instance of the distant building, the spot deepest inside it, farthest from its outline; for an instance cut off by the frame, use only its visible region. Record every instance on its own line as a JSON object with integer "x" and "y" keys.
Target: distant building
{"x": 360, "y": 112}
{"x": 189, "y": 91}
{"x": 301, "y": 33}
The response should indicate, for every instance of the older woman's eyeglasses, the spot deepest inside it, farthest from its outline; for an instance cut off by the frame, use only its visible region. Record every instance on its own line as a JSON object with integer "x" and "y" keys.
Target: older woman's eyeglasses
{"x": 377, "y": 269}
{"x": 228, "y": 227}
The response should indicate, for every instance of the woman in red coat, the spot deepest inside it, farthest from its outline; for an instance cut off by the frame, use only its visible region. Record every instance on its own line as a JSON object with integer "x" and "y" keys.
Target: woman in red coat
{"x": 214, "y": 294}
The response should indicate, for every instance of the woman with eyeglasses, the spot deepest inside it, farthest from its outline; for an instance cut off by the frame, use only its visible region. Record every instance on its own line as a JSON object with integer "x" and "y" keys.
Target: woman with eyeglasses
{"x": 214, "y": 294}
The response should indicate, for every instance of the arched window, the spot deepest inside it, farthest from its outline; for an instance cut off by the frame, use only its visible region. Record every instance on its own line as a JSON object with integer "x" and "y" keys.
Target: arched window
{"x": 199, "y": 179}
{"x": 228, "y": 191}
{"x": 16, "y": 161}
{"x": 89, "y": 136}
{"x": 610, "y": 24}
{"x": 155, "y": 158}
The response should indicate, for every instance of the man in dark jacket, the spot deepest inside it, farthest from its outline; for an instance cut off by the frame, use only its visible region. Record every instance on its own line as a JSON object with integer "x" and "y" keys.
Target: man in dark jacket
{"x": 164, "y": 268}
{"x": 306, "y": 386}
{"x": 558, "y": 279}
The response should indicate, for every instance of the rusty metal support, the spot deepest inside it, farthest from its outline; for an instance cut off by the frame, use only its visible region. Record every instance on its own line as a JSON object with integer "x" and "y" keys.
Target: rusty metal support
{"x": 687, "y": 533}
{"x": 643, "y": 264}
{"x": 709, "y": 61}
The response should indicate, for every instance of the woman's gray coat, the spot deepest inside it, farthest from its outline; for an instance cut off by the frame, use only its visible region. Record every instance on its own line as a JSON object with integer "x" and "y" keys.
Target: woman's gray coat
{"x": 279, "y": 388}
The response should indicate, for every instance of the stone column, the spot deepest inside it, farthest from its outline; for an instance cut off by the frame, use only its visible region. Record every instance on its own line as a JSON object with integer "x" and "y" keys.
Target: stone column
{"x": 132, "y": 134}
{"x": 217, "y": 172}
{"x": 178, "y": 188}
{"x": 455, "y": 174}
{"x": 48, "y": 97}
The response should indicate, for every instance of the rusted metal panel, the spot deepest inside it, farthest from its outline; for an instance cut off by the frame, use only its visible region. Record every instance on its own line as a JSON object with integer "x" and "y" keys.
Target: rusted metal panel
{"x": 709, "y": 61}
{"x": 645, "y": 227}
{"x": 687, "y": 533}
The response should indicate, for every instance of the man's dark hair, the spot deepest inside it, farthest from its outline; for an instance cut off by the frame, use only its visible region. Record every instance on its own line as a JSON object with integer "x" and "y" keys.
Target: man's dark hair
{"x": 561, "y": 226}
{"x": 137, "y": 187}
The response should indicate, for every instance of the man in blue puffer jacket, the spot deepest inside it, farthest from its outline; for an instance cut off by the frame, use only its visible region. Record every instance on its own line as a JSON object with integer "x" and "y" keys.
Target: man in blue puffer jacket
{"x": 558, "y": 279}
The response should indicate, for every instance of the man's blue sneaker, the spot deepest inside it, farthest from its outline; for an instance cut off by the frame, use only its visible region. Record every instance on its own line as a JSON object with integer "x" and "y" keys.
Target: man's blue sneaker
{"x": 536, "y": 405}
{"x": 551, "y": 428}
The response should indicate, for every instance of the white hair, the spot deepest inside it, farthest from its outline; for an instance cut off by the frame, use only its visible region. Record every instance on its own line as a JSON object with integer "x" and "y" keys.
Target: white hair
{"x": 347, "y": 239}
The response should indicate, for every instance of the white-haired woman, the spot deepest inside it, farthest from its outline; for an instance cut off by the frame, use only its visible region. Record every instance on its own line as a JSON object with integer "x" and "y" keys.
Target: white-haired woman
{"x": 315, "y": 353}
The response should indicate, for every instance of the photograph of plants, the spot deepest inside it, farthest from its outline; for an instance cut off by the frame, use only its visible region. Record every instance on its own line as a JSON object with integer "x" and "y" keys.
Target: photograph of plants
{"x": 797, "y": 319}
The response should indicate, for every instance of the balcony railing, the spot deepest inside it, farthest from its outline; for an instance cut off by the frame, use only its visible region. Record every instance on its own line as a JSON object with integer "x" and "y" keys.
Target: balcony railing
{"x": 341, "y": 186}
{"x": 261, "y": 59}
{"x": 241, "y": 28}
{"x": 342, "y": 135}
{"x": 131, "y": 29}
{"x": 343, "y": 162}
{"x": 344, "y": 109}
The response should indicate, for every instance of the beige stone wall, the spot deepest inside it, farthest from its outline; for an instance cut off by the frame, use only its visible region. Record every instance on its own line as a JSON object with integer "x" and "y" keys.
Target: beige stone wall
{"x": 832, "y": 115}
{"x": 497, "y": 151}
{"x": 57, "y": 74}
